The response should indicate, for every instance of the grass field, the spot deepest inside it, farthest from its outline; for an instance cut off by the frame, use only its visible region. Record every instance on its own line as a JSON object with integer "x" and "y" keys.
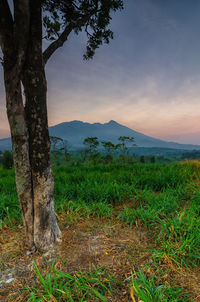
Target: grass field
{"x": 146, "y": 221}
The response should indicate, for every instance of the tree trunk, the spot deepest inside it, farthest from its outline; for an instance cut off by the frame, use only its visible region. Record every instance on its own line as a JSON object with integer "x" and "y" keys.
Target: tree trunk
{"x": 31, "y": 153}
{"x": 46, "y": 230}
{"x": 30, "y": 137}
{"x": 23, "y": 61}
{"x": 16, "y": 117}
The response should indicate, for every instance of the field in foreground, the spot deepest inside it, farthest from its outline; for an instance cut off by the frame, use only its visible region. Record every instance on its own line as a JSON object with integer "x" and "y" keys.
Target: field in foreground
{"x": 130, "y": 233}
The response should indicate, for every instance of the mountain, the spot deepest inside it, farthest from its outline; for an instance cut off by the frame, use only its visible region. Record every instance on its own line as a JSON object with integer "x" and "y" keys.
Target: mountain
{"x": 5, "y": 144}
{"x": 76, "y": 131}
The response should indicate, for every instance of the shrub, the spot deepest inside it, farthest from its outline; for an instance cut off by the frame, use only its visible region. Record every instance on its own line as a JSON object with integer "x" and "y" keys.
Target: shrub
{"x": 7, "y": 160}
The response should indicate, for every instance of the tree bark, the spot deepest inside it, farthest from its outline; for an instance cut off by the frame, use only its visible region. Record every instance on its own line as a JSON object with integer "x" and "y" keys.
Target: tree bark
{"x": 46, "y": 230}
{"x": 16, "y": 117}
{"x": 23, "y": 61}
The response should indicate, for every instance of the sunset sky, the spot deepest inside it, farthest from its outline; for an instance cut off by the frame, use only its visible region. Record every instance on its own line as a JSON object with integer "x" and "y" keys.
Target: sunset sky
{"x": 147, "y": 78}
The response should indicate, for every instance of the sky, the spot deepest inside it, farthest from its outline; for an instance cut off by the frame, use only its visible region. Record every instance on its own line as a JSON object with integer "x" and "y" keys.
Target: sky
{"x": 147, "y": 78}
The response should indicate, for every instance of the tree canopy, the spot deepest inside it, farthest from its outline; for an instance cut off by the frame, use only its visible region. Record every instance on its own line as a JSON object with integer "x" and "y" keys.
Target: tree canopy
{"x": 61, "y": 17}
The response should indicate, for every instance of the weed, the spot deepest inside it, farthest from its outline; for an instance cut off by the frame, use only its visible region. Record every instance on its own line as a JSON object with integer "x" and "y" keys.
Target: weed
{"x": 147, "y": 290}
{"x": 82, "y": 286}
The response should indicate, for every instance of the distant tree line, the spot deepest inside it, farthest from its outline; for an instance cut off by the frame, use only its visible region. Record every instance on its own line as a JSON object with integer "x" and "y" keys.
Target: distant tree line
{"x": 96, "y": 152}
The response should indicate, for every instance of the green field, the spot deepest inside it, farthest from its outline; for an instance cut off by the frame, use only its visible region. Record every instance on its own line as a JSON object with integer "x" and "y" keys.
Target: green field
{"x": 160, "y": 200}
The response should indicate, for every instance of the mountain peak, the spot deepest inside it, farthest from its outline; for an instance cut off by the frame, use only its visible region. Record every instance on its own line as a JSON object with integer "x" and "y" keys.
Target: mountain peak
{"x": 76, "y": 122}
{"x": 112, "y": 122}
{"x": 76, "y": 131}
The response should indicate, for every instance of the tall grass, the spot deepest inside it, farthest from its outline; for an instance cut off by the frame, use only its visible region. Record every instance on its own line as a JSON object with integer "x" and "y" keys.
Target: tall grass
{"x": 92, "y": 285}
{"x": 163, "y": 198}
{"x": 9, "y": 206}
{"x": 115, "y": 184}
{"x": 149, "y": 290}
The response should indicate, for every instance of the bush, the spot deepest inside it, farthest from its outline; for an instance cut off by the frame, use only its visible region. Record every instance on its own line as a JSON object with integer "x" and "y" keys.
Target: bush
{"x": 7, "y": 160}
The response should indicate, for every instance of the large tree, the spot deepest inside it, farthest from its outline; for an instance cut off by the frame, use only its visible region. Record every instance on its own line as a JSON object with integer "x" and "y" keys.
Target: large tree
{"x": 23, "y": 25}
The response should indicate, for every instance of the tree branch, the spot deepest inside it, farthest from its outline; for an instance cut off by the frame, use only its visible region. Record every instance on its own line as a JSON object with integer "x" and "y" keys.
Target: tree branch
{"x": 58, "y": 43}
{"x": 64, "y": 36}
{"x": 21, "y": 28}
{"x": 6, "y": 27}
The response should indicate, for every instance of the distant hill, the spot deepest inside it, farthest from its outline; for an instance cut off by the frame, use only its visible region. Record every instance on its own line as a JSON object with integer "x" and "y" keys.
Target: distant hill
{"x": 5, "y": 144}
{"x": 76, "y": 131}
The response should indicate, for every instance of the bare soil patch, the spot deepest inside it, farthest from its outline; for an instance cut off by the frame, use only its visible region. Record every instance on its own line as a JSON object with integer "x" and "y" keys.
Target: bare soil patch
{"x": 87, "y": 243}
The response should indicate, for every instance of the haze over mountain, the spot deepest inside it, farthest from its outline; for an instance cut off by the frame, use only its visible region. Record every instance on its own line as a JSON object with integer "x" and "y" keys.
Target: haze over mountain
{"x": 76, "y": 131}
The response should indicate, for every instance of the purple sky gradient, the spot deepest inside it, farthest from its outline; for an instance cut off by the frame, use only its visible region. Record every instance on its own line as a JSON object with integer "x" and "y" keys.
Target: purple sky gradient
{"x": 147, "y": 78}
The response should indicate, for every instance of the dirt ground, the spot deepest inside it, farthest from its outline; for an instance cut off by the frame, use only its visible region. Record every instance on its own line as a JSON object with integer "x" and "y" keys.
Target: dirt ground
{"x": 87, "y": 242}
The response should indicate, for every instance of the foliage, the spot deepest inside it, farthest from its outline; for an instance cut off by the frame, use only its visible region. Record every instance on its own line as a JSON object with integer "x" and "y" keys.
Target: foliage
{"x": 147, "y": 290}
{"x": 123, "y": 145}
{"x": 91, "y": 153}
{"x": 93, "y": 16}
{"x": 91, "y": 144}
{"x": 59, "y": 149}
{"x": 9, "y": 206}
{"x": 82, "y": 286}
{"x": 142, "y": 159}
{"x": 162, "y": 198}
{"x": 1, "y": 155}
{"x": 7, "y": 160}
{"x": 109, "y": 147}
{"x": 158, "y": 200}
